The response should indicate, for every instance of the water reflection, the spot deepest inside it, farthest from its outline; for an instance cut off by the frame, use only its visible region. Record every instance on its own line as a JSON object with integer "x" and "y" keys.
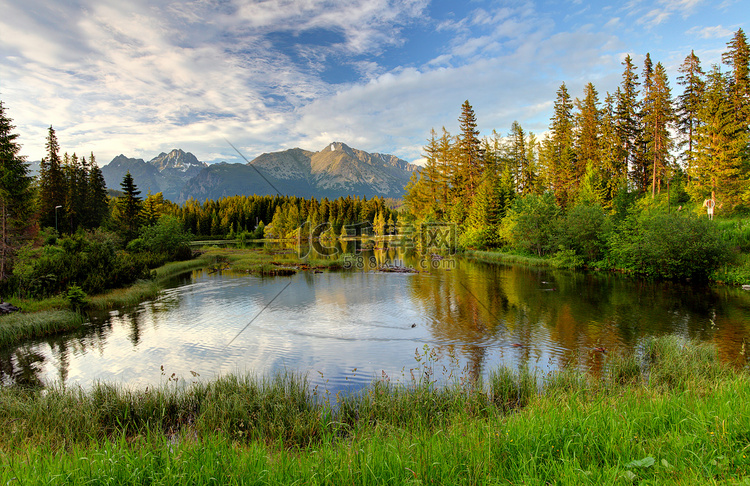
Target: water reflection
{"x": 346, "y": 328}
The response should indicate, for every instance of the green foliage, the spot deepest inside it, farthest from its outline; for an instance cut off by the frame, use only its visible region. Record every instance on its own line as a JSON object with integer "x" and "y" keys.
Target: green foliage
{"x": 531, "y": 224}
{"x": 670, "y": 245}
{"x": 584, "y": 230}
{"x": 166, "y": 237}
{"x": 77, "y": 298}
{"x": 89, "y": 259}
{"x": 15, "y": 195}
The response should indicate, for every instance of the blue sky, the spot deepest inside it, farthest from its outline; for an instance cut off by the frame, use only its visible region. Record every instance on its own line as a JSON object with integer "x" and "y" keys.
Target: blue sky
{"x": 142, "y": 77}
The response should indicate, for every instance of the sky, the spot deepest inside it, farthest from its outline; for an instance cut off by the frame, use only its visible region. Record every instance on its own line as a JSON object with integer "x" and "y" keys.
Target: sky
{"x": 142, "y": 77}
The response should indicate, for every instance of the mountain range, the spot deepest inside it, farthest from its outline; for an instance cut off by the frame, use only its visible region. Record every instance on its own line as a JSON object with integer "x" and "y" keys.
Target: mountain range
{"x": 336, "y": 171}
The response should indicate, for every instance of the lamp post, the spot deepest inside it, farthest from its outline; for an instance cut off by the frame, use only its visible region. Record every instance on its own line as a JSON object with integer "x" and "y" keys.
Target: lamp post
{"x": 56, "y": 208}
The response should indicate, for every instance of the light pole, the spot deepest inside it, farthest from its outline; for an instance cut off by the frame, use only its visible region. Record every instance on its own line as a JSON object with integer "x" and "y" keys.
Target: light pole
{"x": 56, "y": 208}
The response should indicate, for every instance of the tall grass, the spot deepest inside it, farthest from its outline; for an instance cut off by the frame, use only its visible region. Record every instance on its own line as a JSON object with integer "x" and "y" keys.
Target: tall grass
{"x": 678, "y": 417}
{"x": 19, "y": 326}
{"x": 508, "y": 258}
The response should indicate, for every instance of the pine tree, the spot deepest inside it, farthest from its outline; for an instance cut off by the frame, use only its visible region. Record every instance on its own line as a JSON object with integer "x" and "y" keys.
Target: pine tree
{"x": 613, "y": 168}
{"x": 468, "y": 153}
{"x": 97, "y": 200}
{"x": 51, "y": 182}
{"x": 688, "y": 106}
{"x": 719, "y": 146}
{"x": 483, "y": 221}
{"x": 562, "y": 161}
{"x": 587, "y": 132}
{"x": 432, "y": 177}
{"x": 15, "y": 194}
{"x": 629, "y": 126}
{"x": 738, "y": 59}
{"x": 529, "y": 175}
{"x": 518, "y": 157}
{"x": 129, "y": 205}
{"x": 657, "y": 117}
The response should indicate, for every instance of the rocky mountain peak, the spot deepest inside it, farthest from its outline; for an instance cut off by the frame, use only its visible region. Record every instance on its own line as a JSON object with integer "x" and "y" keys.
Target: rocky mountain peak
{"x": 176, "y": 159}
{"x": 341, "y": 147}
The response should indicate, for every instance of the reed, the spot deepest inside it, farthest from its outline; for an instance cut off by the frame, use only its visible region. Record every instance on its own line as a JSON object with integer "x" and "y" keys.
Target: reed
{"x": 508, "y": 258}
{"x": 20, "y": 326}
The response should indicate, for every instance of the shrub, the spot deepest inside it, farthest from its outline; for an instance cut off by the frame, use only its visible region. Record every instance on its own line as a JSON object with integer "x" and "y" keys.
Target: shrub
{"x": 584, "y": 230}
{"x": 670, "y": 245}
{"x": 77, "y": 298}
{"x": 166, "y": 237}
{"x": 531, "y": 224}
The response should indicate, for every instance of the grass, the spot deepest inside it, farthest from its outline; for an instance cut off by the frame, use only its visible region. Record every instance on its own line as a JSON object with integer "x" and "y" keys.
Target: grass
{"x": 508, "y": 258}
{"x": 679, "y": 418}
{"x": 18, "y": 326}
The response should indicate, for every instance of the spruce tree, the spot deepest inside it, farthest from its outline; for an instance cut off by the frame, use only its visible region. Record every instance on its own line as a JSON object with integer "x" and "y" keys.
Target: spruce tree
{"x": 469, "y": 153}
{"x": 688, "y": 105}
{"x": 719, "y": 146}
{"x": 629, "y": 126}
{"x": 15, "y": 194}
{"x": 97, "y": 200}
{"x": 51, "y": 182}
{"x": 658, "y": 115}
{"x": 129, "y": 205}
{"x": 587, "y": 132}
{"x": 563, "y": 160}
{"x": 738, "y": 59}
{"x": 518, "y": 157}
{"x": 613, "y": 168}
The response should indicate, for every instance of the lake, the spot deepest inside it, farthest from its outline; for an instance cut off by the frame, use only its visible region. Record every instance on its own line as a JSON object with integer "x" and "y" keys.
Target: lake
{"x": 345, "y": 328}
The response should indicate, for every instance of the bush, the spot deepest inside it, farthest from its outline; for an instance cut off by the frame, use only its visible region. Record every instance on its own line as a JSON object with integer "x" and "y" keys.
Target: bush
{"x": 77, "y": 298}
{"x": 584, "y": 230}
{"x": 166, "y": 237}
{"x": 90, "y": 259}
{"x": 531, "y": 224}
{"x": 669, "y": 245}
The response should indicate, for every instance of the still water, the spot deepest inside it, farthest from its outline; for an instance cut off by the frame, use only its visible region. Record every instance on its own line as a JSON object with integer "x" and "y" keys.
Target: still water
{"x": 345, "y": 328}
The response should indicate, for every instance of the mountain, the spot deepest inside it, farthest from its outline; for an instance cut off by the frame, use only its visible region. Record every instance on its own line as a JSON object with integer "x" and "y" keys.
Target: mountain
{"x": 145, "y": 175}
{"x": 337, "y": 170}
{"x": 165, "y": 173}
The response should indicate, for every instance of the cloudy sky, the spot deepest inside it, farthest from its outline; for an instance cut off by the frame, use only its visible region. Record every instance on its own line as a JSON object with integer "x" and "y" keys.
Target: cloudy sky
{"x": 141, "y": 77}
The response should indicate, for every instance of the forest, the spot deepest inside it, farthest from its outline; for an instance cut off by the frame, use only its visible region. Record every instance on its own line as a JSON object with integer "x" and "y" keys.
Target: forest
{"x": 619, "y": 184}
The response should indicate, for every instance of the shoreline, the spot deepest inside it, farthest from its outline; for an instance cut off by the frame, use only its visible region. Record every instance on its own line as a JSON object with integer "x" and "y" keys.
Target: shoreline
{"x": 672, "y": 414}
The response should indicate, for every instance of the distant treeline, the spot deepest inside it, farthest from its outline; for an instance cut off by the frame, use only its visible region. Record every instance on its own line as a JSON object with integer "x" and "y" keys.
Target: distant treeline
{"x": 280, "y": 216}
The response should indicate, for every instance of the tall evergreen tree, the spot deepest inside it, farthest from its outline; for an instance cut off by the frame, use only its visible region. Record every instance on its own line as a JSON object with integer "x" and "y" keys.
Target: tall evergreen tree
{"x": 51, "y": 182}
{"x": 719, "y": 146}
{"x": 587, "y": 132}
{"x": 15, "y": 194}
{"x": 613, "y": 165}
{"x": 658, "y": 115}
{"x": 529, "y": 175}
{"x": 737, "y": 58}
{"x": 129, "y": 205}
{"x": 562, "y": 161}
{"x": 468, "y": 152}
{"x": 688, "y": 105}
{"x": 97, "y": 205}
{"x": 629, "y": 126}
{"x": 518, "y": 157}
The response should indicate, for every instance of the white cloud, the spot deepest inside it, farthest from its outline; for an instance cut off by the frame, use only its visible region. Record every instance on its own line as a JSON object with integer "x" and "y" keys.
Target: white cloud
{"x": 146, "y": 76}
{"x": 713, "y": 32}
